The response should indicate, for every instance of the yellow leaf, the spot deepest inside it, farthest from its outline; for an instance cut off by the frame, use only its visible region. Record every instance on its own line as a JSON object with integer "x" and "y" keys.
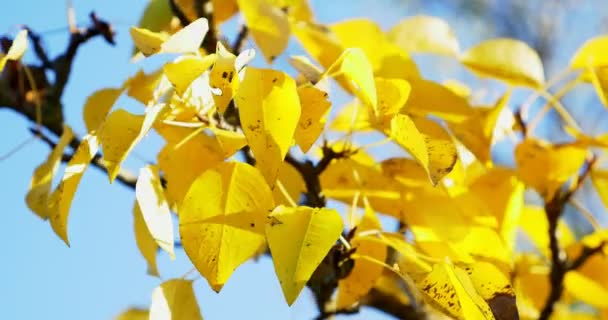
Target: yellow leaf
{"x": 157, "y": 16}
{"x": 224, "y": 76}
{"x": 364, "y": 274}
{"x": 154, "y": 207}
{"x": 442, "y": 153}
{"x": 405, "y": 170}
{"x": 292, "y": 181}
{"x": 450, "y": 290}
{"x": 392, "y": 95}
{"x": 503, "y": 194}
{"x": 494, "y": 286}
{"x": 269, "y": 108}
{"x": 17, "y": 49}
{"x": 229, "y": 141}
{"x": 533, "y": 221}
{"x": 306, "y": 68}
{"x": 174, "y": 300}
{"x": 343, "y": 179}
{"x": 386, "y": 58}
{"x": 315, "y": 108}
{"x": 355, "y": 67}
{"x": 222, "y": 9}
{"x": 477, "y": 132}
{"x": 354, "y": 117}
{"x": 61, "y": 199}
{"x": 586, "y": 289}
{"x": 120, "y": 132}
{"x": 532, "y": 284}
{"x": 181, "y": 164}
{"x": 141, "y": 86}
{"x": 187, "y": 40}
{"x": 600, "y": 181}
{"x": 545, "y": 167}
{"x": 296, "y": 9}
{"x": 430, "y": 98}
{"x": 268, "y": 25}
{"x": 299, "y": 239}
{"x": 509, "y": 60}
{"x": 98, "y": 105}
{"x": 145, "y": 242}
{"x": 318, "y": 41}
{"x": 425, "y": 34}
{"x": 37, "y": 197}
{"x": 591, "y": 54}
{"x": 134, "y": 313}
{"x": 222, "y": 219}
{"x": 185, "y": 69}
{"x": 404, "y": 132}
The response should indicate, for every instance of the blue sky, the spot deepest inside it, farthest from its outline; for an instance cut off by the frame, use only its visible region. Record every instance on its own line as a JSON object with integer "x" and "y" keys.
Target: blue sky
{"x": 103, "y": 273}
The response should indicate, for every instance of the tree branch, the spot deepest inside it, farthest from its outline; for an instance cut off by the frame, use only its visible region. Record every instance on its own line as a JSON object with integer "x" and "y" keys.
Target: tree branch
{"x": 559, "y": 264}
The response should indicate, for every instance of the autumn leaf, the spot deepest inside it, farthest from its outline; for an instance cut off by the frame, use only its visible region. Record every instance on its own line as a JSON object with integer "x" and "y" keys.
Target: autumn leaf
{"x": 187, "y": 40}
{"x": 175, "y": 300}
{"x": 222, "y": 219}
{"x": 37, "y": 197}
{"x": 133, "y": 314}
{"x": 315, "y": 108}
{"x": 154, "y": 208}
{"x": 425, "y": 34}
{"x": 121, "y": 131}
{"x": 148, "y": 247}
{"x": 98, "y": 105}
{"x": 185, "y": 69}
{"x": 268, "y": 25}
{"x": 364, "y": 274}
{"x": 61, "y": 199}
{"x": 269, "y": 108}
{"x": 299, "y": 238}
{"x": 591, "y": 54}
{"x": 509, "y": 60}
{"x": 355, "y": 68}
{"x": 16, "y": 50}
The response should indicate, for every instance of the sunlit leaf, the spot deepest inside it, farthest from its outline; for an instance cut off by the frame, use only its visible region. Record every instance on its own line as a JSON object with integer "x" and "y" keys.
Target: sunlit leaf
{"x": 425, "y": 34}
{"x": 98, "y": 105}
{"x": 600, "y": 181}
{"x": 533, "y": 221}
{"x": 133, "y": 314}
{"x": 315, "y": 107}
{"x": 61, "y": 199}
{"x": 154, "y": 207}
{"x": 591, "y": 54}
{"x": 182, "y": 163}
{"x": 16, "y": 50}
{"x": 157, "y": 16}
{"x": 37, "y": 198}
{"x": 222, "y": 219}
{"x": 586, "y": 289}
{"x": 224, "y": 76}
{"x": 545, "y": 167}
{"x": 299, "y": 238}
{"x": 430, "y": 98}
{"x": 148, "y": 247}
{"x": 229, "y": 141}
{"x": 187, "y": 40}
{"x": 364, "y": 274}
{"x": 185, "y": 69}
{"x": 141, "y": 85}
{"x": 392, "y": 95}
{"x": 174, "y": 300}
{"x": 386, "y": 58}
{"x": 509, "y": 60}
{"x": 269, "y": 108}
{"x": 355, "y": 67}
{"x": 120, "y": 132}
{"x": 268, "y": 25}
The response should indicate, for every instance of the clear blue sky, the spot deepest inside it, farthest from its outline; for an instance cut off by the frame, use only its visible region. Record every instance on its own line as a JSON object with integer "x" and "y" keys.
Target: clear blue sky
{"x": 103, "y": 273}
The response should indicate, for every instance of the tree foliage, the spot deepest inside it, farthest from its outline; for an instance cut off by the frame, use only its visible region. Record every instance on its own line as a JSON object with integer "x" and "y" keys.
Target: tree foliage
{"x": 258, "y": 161}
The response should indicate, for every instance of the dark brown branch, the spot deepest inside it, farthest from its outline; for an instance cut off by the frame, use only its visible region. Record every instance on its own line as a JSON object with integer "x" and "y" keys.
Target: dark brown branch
{"x": 559, "y": 264}
{"x": 177, "y": 11}
{"x": 392, "y": 305}
{"x": 239, "y": 42}
{"x": 584, "y": 256}
{"x": 39, "y": 49}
